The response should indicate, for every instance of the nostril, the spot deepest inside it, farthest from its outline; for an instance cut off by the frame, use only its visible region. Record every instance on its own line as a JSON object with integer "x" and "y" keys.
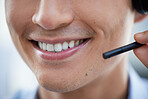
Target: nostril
{"x": 63, "y": 24}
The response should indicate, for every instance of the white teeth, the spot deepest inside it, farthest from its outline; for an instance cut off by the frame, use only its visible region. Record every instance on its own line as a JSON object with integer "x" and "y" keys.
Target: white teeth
{"x": 40, "y": 45}
{"x": 81, "y": 41}
{"x": 58, "y": 47}
{"x": 44, "y": 46}
{"x": 77, "y": 43}
{"x": 65, "y": 46}
{"x": 71, "y": 44}
{"x": 50, "y": 47}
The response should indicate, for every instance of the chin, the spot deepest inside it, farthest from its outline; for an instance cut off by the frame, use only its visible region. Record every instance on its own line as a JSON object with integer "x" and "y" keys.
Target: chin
{"x": 60, "y": 87}
{"x": 60, "y": 84}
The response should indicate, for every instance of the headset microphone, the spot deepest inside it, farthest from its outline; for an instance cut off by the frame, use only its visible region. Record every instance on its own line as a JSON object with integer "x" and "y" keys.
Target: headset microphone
{"x": 141, "y": 6}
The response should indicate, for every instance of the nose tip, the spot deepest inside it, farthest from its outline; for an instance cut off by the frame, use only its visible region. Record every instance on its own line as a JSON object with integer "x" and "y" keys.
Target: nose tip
{"x": 49, "y": 22}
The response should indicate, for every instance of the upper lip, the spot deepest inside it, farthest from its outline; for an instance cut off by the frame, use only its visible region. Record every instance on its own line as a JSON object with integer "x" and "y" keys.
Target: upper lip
{"x": 57, "y": 40}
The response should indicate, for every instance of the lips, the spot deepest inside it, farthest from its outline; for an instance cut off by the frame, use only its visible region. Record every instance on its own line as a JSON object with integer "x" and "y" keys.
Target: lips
{"x": 58, "y": 51}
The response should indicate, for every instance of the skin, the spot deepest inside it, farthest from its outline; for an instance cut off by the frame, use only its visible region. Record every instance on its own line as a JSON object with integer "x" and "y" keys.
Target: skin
{"x": 85, "y": 75}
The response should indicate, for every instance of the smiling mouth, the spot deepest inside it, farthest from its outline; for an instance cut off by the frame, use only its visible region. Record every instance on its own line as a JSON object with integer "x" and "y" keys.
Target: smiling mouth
{"x": 58, "y": 51}
{"x": 59, "y": 47}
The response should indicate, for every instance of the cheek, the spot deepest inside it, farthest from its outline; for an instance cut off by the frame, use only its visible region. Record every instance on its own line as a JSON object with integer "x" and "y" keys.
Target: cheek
{"x": 96, "y": 11}
{"x": 19, "y": 14}
{"x": 109, "y": 19}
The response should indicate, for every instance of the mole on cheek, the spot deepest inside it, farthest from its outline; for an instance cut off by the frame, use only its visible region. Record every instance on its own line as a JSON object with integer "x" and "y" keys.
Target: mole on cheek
{"x": 86, "y": 74}
{"x": 94, "y": 22}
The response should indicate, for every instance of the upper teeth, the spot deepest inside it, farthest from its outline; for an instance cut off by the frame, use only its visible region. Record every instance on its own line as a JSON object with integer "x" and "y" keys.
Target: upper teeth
{"x": 59, "y": 46}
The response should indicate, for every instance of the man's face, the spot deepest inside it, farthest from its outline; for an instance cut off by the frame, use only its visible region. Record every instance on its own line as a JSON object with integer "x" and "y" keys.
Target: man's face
{"x": 106, "y": 24}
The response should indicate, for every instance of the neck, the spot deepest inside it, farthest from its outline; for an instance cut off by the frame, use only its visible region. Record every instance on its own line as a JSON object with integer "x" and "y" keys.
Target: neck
{"x": 114, "y": 85}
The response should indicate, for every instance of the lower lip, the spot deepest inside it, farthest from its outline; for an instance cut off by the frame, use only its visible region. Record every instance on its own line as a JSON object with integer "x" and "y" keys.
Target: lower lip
{"x": 59, "y": 55}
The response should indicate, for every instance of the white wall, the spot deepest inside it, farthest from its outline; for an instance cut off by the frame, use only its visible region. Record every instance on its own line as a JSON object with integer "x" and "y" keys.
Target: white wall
{"x": 14, "y": 74}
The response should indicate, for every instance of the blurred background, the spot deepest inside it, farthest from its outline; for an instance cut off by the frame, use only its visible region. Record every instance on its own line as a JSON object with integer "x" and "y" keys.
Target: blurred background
{"x": 15, "y": 75}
